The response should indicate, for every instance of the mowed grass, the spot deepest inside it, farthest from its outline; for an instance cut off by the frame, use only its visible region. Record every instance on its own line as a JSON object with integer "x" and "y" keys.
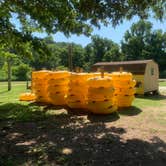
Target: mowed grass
{"x": 12, "y": 108}
{"x": 162, "y": 83}
{"x": 13, "y": 95}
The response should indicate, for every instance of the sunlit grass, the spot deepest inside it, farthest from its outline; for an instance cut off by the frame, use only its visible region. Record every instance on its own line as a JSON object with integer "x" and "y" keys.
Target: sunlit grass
{"x": 162, "y": 83}
{"x": 12, "y": 108}
{"x": 13, "y": 95}
{"x": 146, "y": 101}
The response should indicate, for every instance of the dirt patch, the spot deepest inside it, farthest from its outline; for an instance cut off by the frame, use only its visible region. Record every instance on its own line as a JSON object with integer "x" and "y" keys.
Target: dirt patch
{"x": 162, "y": 90}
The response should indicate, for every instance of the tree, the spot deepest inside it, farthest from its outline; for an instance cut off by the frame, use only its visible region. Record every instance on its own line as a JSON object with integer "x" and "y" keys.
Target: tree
{"x": 59, "y": 52}
{"x": 9, "y": 57}
{"x": 134, "y": 40}
{"x": 113, "y": 54}
{"x": 102, "y": 49}
{"x": 66, "y": 16}
{"x": 77, "y": 54}
{"x": 2, "y": 60}
{"x": 48, "y": 61}
{"x": 141, "y": 42}
{"x": 21, "y": 72}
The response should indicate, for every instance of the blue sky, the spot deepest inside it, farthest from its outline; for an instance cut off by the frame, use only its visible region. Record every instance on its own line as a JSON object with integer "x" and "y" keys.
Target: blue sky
{"x": 116, "y": 34}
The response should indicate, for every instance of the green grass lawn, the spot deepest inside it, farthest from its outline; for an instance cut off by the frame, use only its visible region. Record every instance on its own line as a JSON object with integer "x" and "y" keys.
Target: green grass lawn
{"x": 13, "y": 95}
{"x": 162, "y": 83}
{"x": 11, "y": 107}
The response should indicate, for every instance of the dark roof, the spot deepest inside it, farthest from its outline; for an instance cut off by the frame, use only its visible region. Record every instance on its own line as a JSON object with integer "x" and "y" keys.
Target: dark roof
{"x": 136, "y": 67}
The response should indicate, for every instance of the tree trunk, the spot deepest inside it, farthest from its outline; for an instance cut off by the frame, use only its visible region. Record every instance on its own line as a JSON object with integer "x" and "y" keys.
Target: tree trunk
{"x": 27, "y": 84}
{"x": 9, "y": 73}
{"x": 70, "y": 51}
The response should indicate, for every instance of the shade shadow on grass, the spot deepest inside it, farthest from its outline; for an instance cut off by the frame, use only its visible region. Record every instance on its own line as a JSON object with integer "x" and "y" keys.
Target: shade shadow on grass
{"x": 93, "y": 117}
{"x": 48, "y": 106}
{"x": 103, "y": 118}
{"x": 67, "y": 140}
{"x": 20, "y": 112}
{"x": 129, "y": 111}
{"x": 38, "y": 104}
{"x": 31, "y": 112}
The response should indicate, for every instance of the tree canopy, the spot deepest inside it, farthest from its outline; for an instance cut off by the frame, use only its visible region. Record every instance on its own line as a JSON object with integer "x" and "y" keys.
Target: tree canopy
{"x": 19, "y": 19}
{"x": 141, "y": 42}
{"x": 102, "y": 49}
{"x": 67, "y": 16}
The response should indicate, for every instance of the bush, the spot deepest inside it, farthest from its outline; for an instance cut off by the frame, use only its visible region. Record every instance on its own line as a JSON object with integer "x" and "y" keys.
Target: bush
{"x": 3, "y": 76}
{"x": 21, "y": 72}
{"x": 163, "y": 74}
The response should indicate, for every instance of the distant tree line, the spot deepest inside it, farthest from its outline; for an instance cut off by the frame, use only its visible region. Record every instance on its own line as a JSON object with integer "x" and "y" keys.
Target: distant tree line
{"x": 139, "y": 42}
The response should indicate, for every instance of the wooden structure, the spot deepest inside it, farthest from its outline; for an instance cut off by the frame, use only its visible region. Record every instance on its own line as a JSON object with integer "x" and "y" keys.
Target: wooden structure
{"x": 145, "y": 72}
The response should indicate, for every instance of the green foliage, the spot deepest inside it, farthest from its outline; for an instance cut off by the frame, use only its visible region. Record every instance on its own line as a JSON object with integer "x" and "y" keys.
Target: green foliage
{"x": 113, "y": 54}
{"x": 162, "y": 83}
{"x": 4, "y": 72}
{"x": 78, "y": 56}
{"x": 163, "y": 74}
{"x": 2, "y": 61}
{"x": 20, "y": 19}
{"x": 21, "y": 72}
{"x": 102, "y": 49}
{"x": 140, "y": 42}
{"x": 2, "y": 75}
{"x": 65, "y": 16}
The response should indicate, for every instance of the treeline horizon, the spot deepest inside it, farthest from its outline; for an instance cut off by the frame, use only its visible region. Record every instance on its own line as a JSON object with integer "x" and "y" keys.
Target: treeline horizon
{"x": 140, "y": 42}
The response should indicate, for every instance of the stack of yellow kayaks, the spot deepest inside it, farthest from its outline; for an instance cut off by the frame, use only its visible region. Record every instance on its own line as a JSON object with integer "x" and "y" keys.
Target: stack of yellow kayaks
{"x": 124, "y": 88}
{"x": 92, "y": 91}
{"x": 39, "y": 85}
{"x": 78, "y": 90}
{"x": 57, "y": 88}
{"x": 100, "y": 98}
{"x": 98, "y": 74}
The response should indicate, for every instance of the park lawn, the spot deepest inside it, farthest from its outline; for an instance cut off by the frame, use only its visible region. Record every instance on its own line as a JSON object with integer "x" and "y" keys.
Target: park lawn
{"x": 10, "y": 99}
{"x": 12, "y": 108}
{"x": 162, "y": 83}
{"x": 13, "y": 95}
{"x": 45, "y": 135}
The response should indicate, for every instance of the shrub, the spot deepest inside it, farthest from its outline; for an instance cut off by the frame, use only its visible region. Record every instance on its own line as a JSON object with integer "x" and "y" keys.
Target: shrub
{"x": 163, "y": 74}
{"x": 21, "y": 72}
